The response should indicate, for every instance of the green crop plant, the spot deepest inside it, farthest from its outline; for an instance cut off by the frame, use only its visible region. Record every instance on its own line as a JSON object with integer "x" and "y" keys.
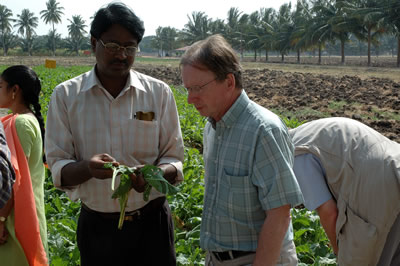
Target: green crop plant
{"x": 151, "y": 174}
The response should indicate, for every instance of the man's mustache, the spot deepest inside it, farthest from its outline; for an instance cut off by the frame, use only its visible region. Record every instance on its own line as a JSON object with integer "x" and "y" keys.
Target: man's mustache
{"x": 125, "y": 62}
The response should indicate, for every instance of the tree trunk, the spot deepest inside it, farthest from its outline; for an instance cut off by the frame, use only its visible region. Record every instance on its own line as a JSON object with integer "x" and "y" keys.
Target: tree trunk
{"x": 282, "y": 57}
{"x": 266, "y": 55}
{"x": 319, "y": 53}
{"x": 369, "y": 47}
{"x": 4, "y": 46}
{"x": 255, "y": 55}
{"x": 298, "y": 56}
{"x": 398, "y": 51}
{"x": 54, "y": 41}
{"x": 342, "y": 50}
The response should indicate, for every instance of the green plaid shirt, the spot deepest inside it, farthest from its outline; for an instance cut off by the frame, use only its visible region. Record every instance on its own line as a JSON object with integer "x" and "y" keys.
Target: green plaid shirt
{"x": 248, "y": 158}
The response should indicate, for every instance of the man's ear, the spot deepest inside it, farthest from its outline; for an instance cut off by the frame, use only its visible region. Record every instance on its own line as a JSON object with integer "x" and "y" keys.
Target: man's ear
{"x": 231, "y": 82}
{"x": 93, "y": 43}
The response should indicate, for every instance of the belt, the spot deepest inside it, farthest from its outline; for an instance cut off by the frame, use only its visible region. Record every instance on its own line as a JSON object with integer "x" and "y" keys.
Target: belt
{"x": 150, "y": 207}
{"x": 231, "y": 254}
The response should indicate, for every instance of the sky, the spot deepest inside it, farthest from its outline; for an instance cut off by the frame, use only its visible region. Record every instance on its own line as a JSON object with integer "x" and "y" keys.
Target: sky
{"x": 154, "y": 13}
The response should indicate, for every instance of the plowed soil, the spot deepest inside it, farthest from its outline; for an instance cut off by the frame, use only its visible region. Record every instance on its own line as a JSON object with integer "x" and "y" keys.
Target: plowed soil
{"x": 373, "y": 101}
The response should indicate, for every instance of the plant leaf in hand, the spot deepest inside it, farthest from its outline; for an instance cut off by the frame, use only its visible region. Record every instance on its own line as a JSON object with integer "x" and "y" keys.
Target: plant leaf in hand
{"x": 125, "y": 186}
{"x": 154, "y": 177}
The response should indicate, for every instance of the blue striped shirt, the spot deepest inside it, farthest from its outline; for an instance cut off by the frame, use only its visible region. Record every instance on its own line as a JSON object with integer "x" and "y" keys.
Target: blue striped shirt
{"x": 248, "y": 157}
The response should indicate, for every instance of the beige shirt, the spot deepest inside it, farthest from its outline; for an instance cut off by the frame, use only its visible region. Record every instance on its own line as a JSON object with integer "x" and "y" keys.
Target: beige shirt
{"x": 363, "y": 173}
{"x": 84, "y": 119}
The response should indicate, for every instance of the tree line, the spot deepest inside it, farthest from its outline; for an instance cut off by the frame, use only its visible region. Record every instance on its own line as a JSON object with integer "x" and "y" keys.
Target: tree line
{"x": 311, "y": 25}
{"x": 26, "y": 23}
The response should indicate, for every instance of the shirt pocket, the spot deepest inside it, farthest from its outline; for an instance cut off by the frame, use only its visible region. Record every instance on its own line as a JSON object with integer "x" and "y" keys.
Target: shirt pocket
{"x": 237, "y": 197}
{"x": 142, "y": 140}
{"x": 356, "y": 237}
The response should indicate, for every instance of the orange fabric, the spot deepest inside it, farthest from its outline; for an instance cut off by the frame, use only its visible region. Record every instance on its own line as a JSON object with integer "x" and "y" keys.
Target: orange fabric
{"x": 26, "y": 221}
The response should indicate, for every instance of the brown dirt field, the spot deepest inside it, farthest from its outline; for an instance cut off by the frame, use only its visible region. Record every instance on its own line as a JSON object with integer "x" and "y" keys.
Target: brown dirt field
{"x": 305, "y": 96}
{"x": 373, "y": 99}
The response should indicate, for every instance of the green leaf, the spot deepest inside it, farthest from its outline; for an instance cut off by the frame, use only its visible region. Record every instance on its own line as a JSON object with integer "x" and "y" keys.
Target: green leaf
{"x": 154, "y": 176}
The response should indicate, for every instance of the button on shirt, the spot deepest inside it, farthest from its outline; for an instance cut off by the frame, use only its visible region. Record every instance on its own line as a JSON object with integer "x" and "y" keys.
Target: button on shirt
{"x": 248, "y": 158}
{"x": 84, "y": 119}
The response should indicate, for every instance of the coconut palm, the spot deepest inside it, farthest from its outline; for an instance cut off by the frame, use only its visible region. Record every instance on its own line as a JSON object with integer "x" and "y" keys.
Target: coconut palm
{"x": 391, "y": 11}
{"x": 254, "y": 33}
{"x": 5, "y": 27}
{"x": 76, "y": 31}
{"x": 52, "y": 15}
{"x": 165, "y": 39}
{"x": 197, "y": 28}
{"x": 301, "y": 18}
{"x": 371, "y": 19}
{"x": 232, "y": 32}
{"x": 26, "y": 23}
{"x": 267, "y": 17}
{"x": 283, "y": 29}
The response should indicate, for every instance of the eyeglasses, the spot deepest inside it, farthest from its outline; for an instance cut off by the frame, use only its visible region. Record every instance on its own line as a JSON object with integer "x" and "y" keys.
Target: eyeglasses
{"x": 199, "y": 88}
{"x": 113, "y": 48}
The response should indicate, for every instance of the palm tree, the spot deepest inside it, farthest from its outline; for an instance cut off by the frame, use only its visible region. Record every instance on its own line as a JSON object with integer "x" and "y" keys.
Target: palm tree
{"x": 255, "y": 32}
{"x": 52, "y": 15}
{"x": 5, "y": 27}
{"x": 76, "y": 31}
{"x": 283, "y": 28}
{"x": 26, "y": 23}
{"x": 232, "y": 27}
{"x": 267, "y": 16}
{"x": 371, "y": 19}
{"x": 301, "y": 18}
{"x": 197, "y": 28}
{"x": 218, "y": 27}
{"x": 165, "y": 39}
{"x": 391, "y": 11}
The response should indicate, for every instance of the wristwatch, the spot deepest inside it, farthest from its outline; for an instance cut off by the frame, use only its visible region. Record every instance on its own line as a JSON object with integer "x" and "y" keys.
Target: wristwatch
{"x": 3, "y": 219}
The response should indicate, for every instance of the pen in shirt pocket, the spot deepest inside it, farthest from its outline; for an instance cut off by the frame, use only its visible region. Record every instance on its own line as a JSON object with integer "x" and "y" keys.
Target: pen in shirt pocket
{"x": 145, "y": 116}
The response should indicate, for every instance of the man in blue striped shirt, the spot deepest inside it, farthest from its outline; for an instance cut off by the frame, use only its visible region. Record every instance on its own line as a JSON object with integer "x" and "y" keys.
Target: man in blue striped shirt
{"x": 249, "y": 182}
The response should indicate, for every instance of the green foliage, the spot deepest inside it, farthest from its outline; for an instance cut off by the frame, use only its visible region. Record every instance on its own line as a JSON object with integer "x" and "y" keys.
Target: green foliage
{"x": 312, "y": 244}
{"x": 154, "y": 177}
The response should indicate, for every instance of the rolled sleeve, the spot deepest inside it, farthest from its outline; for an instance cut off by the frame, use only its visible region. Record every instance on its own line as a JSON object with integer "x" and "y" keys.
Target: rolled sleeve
{"x": 274, "y": 158}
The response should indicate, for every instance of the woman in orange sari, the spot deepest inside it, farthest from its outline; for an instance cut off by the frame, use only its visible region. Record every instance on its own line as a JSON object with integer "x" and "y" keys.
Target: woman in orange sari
{"x": 24, "y": 229}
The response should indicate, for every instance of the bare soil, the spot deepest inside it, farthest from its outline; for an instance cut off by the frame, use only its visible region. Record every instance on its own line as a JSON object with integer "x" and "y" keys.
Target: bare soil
{"x": 373, "y": 101}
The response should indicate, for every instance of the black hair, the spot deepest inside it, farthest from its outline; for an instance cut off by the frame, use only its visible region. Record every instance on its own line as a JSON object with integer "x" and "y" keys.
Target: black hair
{"x": 30, "y": 85}
{"x": 116, "y": 13}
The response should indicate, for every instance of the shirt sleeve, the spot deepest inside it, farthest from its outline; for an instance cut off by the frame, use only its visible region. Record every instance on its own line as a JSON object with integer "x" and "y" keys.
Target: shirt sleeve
{"x": 273, "y": 173}
{"x": 171, "y": 142}
{"x": 311, "y": 177}
{"x": 7, "y": 174}
{"x": 26, "y": 134}
{"x": 58, "y": 141}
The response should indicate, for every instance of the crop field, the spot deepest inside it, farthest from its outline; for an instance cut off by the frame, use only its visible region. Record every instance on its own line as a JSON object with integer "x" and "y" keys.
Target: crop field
{"x": 295, "y": 94}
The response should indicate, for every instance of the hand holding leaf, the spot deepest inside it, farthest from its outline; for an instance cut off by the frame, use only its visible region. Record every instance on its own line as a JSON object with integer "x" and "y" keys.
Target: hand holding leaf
{"x": 152, "y": 175}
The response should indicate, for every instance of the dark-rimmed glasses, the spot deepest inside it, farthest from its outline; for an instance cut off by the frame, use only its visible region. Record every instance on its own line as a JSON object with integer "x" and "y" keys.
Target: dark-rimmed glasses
{"x": 199, "y": 88}
{"x": 113, "y": 48}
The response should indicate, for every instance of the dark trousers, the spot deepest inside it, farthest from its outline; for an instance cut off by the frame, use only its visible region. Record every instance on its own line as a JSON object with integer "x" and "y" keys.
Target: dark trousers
{"x": 147, "y": 240}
